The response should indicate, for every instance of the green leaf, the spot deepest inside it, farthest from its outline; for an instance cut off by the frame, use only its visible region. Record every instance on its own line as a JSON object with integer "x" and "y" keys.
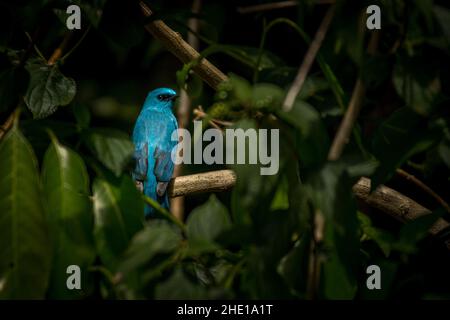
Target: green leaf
{"x": 48, "y": 88}
{"x": 338, "y": 282}
{"x": 311, "y": 139}
{"x": 443, "y": 17}
{"x": 241, "y": 90}
{"x": 25, "y": 248}
{"x": 179, "y": 287}
{"x": 267, "y": 95}
{"x": 82, "y": 115}
{"x": 253, "y": 192}
{"x": 398, "y": 138}
{"x": 207, "y": 221}
{"x": 383, "y": 239}
{"x": 293, "y": 267}
{"x": 330, "y": 191}
{"x": 420, "y": 96}
{"x": 66, "y": 189}
{"x": 281, "y": 198}
{"x": 112, "y": 148}
{"x": 158, "y": 237}
{"x": 444, "y": 150}
{"x": 119, "y": 215}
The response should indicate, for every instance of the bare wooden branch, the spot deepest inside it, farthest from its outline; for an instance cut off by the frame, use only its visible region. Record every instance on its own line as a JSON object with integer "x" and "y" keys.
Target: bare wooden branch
{"x": 402, "y": 173}
{"x": 383, "y": 198}
{"x": 8, "y": 124}
{"x": 395, "y": 204}
{"x": 213, "y": 181}
{"x": 351, "y": 114}
{"x": 308, "y": 60}
{"x": 173, "y": 42}
{"x": 60, "y": 50}
{"x": 346, "y": 126}
{"x": 276, "y": 5}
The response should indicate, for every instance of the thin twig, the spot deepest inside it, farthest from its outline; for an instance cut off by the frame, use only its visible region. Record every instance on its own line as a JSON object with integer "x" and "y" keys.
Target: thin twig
{"x": 59, "y": 51}
{"x": 402, "y": 173}
{"x": 346, "y": 126}
{"x": 340, "y": 140}
{"x": 177, "y": 204}
{"x": 275, "y": 5}
{"x": 200, "y": 114}
{"x": 8, "y": 124}
{"x": 308, "y": 60}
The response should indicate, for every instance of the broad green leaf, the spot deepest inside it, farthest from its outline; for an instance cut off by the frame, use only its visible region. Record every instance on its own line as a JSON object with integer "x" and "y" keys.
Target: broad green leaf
{"x": 158, "y": 237}
{"x": 293, "y": 267}
{"x": 25, "y": 248}
{"x": 444, "y": 152}
{"x": 281, "y": 198}
{"x": 48, "y": 88}
{"x": 207, "y": 221}
{"x": 119, "y": 215}
{"x": 253, "y": 192}
{"x": 266, "y": 95}
{"x": 179, "y": 287}
{"x": 311, "y": 139}
{"x": 338, "y": 282}
{"x": 443, "y": 17}
{"x": 112, "y": 148}
{"x": 381, "y": 237}
{"x": 398, "y": 138}
{"x": 66, "y": 189}
{"x": 418, "y": 94}
{"x": 241, "y": 90}
{"x": 330, "y": 191}
{"x": 82, "y": 115}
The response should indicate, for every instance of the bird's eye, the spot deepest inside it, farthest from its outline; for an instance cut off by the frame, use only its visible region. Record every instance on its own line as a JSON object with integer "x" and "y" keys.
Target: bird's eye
{"x": 160, "y": 97}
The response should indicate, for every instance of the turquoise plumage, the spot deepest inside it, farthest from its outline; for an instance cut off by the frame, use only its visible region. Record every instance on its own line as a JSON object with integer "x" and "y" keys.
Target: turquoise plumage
{"x": 153, "y": 146}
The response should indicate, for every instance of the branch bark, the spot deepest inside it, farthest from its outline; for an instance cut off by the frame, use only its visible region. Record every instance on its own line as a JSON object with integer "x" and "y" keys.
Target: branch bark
{"x": 213, "y": 181}
{"x": 173, "y": 42}
{"x": 385, "y": 199}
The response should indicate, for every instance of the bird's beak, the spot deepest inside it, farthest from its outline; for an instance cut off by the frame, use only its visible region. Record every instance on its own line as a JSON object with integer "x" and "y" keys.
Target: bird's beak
{"x": 173, "y": 98}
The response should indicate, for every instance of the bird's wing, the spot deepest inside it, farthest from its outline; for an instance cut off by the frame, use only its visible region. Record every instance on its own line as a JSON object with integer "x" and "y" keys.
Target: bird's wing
{"x": 141, "y": 158}
{"x": 163, "y": 169}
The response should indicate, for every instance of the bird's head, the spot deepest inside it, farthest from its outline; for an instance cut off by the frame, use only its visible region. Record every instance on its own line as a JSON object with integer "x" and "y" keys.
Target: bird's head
{"x": 160, "y": 98}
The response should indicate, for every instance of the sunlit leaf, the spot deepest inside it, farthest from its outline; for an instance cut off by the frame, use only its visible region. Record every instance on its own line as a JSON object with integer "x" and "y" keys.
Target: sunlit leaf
{"x": 66, "y": 189}
{"x": 25, "y": 247}
{"x": 119, "y": 215}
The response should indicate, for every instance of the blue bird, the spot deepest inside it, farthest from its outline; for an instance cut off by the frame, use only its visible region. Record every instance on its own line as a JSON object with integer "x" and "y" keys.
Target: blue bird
{"x": 153, "y": 146}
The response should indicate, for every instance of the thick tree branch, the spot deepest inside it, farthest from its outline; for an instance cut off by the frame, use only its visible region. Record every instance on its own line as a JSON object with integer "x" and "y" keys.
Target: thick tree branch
{"x": 213, "y": 181}
{"x": 173, "y": 42}
{"x": 383, "y": 198}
